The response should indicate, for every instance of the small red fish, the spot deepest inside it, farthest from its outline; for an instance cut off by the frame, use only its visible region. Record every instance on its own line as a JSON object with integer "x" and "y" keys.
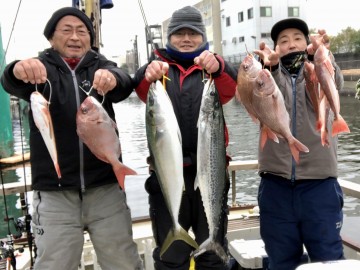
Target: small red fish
{"x": 269, "y": 105}
{"x": 98, "y": 131}
{"x": 326, "y": 76}
{"x": 248, "y": 71}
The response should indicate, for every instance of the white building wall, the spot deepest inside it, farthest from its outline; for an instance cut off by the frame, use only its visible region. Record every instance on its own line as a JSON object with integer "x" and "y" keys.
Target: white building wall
{"x": 251, "y": 30}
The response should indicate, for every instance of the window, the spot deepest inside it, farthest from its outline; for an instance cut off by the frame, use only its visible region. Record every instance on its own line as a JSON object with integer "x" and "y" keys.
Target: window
{"x": 293, "y": 11}
{"x": 250, "y": 13}
{"x": 241, "y": 39}
{"x": 265, "y": 12}
{"x": 265, "y": 35}
{"x": 228, "y": 23}
{"x": 241, "y": 16}
{"x": 234, "y": 40}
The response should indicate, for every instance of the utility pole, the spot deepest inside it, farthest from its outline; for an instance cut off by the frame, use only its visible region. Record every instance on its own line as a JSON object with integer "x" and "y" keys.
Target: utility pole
{"x": 136, "y": 55}
{"x": 93, "y": 11}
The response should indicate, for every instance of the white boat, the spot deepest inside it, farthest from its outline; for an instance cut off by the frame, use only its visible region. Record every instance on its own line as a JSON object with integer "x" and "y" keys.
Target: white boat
{"x": 243, "y": 229}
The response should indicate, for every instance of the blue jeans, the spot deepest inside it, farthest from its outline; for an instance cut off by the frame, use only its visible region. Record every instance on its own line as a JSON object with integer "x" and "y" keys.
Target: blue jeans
{"x": 307, "y": 213}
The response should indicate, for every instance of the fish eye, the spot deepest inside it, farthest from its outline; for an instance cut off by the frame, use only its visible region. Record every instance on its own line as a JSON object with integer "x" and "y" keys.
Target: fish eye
{"x": 84, "y": 110}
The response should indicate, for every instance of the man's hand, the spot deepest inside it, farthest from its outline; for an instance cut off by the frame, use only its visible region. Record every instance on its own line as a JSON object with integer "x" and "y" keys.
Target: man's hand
{"x": 207, "y": 61}
{"x": 104, "y": 81}
{"x": 268, "y": 56}
{"x": 156, "y": 70}
{"x": 30, "y": 70}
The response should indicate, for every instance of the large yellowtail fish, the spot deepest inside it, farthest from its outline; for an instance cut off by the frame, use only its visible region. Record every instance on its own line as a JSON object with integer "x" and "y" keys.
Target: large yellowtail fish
{"x": 326, "y": 75}
{"x": 211, "y": 166}
{"x": 42, "y": 118}
{"x": 270, "y": 107}
{"x": 164, "y": 139}
{"x": 98, "y": 131}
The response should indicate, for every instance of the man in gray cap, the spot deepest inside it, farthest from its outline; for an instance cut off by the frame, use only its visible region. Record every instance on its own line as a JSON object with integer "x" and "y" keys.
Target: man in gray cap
{"x": 88, "y": 196}
{"x": 187, "y": 61}
{"x": 300, "y": 202}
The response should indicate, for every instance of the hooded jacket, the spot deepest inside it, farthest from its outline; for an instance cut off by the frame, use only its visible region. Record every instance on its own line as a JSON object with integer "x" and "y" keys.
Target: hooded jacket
{"x": 321, "y": 161}
{"x": 80, "y": 169}
{"x": 185, "y": 89}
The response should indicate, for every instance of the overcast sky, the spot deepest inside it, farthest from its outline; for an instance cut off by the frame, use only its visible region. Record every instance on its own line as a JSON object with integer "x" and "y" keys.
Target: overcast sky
{"x": 121, "y": 23}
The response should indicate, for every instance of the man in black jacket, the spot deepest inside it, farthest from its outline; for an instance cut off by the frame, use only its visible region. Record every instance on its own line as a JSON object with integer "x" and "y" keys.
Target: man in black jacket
{"x": 87, "y": 197}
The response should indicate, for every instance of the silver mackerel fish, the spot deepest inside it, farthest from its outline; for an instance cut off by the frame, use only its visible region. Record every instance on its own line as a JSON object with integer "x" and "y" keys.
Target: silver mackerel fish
{"x": 164, "y": 139}
{"x": 211, "y": 166}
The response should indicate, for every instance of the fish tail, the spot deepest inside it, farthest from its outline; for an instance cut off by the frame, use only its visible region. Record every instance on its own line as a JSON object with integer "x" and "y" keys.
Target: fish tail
{"x": 210, "y": 245}
{"x": 339, "y": 126}
{"x": 121, "y": 171}
{"x": 174, "y": 235}
{"x": 57, "y": 168}
{"x": 296, "y": 147}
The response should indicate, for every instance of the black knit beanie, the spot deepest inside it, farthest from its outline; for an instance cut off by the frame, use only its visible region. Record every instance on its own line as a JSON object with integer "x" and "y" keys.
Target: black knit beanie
{"x": 187, "y": 17}
{"x": 57, "y": 15}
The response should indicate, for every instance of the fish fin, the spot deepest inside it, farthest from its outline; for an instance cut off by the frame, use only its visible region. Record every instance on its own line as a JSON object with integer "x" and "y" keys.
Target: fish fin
{"x": 296, "y": 147}
{"x": 237, "y": 95}
{"x": 330, "y": 68}
{"x": 318, "y": 125}
{"x": 196, "y": 183}
{"x": 113, "y": 124}
{"x": 174, "y": 235}
{"x": 210, "y": 245}
{"x": 121, "y": 171}
{"x": 47, "y": 118}
{"x": 324, "y": 138}
{"x": 266, "y": 133}
{"x": 339, "y": 126}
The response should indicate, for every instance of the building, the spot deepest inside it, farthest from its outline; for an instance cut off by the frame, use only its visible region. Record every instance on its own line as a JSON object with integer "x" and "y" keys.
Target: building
{"x": 245, "y": 23}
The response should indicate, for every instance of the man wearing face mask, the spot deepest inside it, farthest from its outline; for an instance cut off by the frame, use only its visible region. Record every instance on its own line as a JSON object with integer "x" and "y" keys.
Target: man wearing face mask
{"x": 300, "y": 203}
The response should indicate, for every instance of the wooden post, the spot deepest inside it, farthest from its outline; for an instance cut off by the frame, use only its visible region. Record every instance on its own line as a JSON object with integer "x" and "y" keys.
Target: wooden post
{"x": 92, "y": 10}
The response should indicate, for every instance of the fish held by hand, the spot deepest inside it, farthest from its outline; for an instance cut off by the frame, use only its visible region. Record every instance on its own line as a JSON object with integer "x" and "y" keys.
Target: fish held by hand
{"x": 42, "y": 118}
{"x": 98, "y": 131}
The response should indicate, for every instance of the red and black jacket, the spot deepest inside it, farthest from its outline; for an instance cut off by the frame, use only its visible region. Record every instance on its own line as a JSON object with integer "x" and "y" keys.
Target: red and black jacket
{"x": 185, "y": 89}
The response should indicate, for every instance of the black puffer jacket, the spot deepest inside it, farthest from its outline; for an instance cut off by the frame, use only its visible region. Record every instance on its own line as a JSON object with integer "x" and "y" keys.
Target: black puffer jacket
{"x": 80, "y": 169}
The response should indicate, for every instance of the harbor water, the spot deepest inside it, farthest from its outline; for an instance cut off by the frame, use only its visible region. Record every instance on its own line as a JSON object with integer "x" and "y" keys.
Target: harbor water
{"x": 243, "y": 133}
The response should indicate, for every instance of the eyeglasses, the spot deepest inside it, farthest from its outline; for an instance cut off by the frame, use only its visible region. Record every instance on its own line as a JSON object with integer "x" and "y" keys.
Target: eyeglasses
{"x": 183, "y": 33}
{"x": 80, "y": 32}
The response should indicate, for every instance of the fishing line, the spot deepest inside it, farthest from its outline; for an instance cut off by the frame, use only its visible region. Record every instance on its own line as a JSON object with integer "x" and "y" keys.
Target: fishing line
{"x": 12, "y": 30}
{"x": 88, "y": 93}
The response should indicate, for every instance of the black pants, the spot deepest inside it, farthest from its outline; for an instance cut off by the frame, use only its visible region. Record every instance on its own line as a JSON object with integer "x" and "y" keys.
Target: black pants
{"x": 192, "y": 215}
